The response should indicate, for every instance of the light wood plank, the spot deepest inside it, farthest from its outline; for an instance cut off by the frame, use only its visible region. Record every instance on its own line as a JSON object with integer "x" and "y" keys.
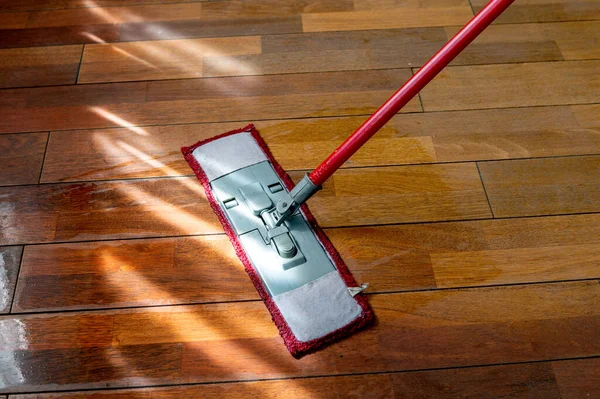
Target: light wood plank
{"x": 21, "y": 157}
{"x": 153, "y": 60}
{"x": 33, "y": 5}
{"x": 543, "y": 186}
{"x": 10, "y": 259}
{"x": 177, "y": 206}
{"x": 304, "y": 143}
{"x": 431, "y": 329}
{"x": 199, "y": 100}
{"x": 513, "y": 85}
{"x": 578, "y": 379}
{"x": 355, "y": 197}
{"x": 546, "y": 10}
{"x": 402, "y": 17}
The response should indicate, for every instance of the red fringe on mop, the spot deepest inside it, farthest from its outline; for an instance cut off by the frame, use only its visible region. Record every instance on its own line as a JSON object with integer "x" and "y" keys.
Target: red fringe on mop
{"x": 296, "y": 348}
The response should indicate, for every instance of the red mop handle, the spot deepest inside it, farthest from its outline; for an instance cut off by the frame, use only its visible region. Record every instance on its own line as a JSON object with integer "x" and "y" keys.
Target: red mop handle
{"x": 410, "y": 89}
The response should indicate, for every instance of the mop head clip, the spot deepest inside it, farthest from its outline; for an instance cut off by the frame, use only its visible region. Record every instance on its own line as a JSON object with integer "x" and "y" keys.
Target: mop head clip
{"x": 303, "y": 281}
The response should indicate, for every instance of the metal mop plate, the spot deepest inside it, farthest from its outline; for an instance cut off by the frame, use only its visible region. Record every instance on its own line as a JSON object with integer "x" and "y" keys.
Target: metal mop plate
{"x": 287, "y": 256}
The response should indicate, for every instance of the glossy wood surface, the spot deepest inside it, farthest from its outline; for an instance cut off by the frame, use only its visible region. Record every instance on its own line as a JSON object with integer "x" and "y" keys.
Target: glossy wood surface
{"x": 39, "y": 66}
{"x": 199, "y": 100}
{"x": 473, "y": 214}
{"x": 391, "y": 258}
{"x": 543, "y": 186}
{"x": 21, "y": 158}
{"x": 513, "y": 85}
{"x": 237, "y": 341}
{"x": 407, "y": 139}
{"x": 10, "y": 258}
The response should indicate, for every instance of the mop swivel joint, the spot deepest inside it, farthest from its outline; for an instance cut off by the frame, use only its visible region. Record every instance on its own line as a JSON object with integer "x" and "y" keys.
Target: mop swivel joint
{"x": 287, "y": 206}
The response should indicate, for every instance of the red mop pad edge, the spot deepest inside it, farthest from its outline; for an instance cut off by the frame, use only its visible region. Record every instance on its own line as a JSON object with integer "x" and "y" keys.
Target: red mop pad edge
{"x": 297, "y": 348}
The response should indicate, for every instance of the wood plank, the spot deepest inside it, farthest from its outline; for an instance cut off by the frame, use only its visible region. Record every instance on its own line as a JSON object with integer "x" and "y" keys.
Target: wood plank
{"x": 578, "y": 379}
{"x": 546, "y": 10}
{"x": 165, "y": 59}
{"x": 391, "y": 258}
{"x": 406, "y": 139}
{"x": 21, "y": 158}
{"x": 542, "y": 186}
{"x": 531, "y": 380}
{"x": 132, "y": 273}
{"x": 513, "y": 85}
{"x": 433, "y": 329}
{"x": 176, "y": 206}
{"x": 10, "y": 259}
{"x": 514, "y": 381}
{"x": 114, "y": 209}
{"x": 355, "y": 197}
{"x": 441, "y": 13}
{"x": 62, "y": 35}
{"x": 34, "y": 5}
{"x": 159, "y": 21}
{"x": 397, "y": 48}
{"x": 39, "y": 66}
{"x": 241, "y": 24}
{"x": 529, "y": 42}
{"x": 199, "y": 100}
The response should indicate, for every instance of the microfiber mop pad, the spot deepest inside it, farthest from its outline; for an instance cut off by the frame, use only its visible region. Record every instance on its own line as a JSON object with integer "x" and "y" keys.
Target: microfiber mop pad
{"x": 314, "y": 314}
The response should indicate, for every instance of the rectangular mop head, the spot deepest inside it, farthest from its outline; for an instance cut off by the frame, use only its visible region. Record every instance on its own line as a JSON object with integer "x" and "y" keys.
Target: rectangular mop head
{"x": 293, "y": 265}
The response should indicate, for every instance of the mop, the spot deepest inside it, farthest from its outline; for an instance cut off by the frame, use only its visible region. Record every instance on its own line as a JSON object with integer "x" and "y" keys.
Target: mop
{"x": 309, "y": 291}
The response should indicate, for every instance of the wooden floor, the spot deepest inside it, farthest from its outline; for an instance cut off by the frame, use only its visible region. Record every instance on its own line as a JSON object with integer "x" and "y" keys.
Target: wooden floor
{"x": 474, "y": 214}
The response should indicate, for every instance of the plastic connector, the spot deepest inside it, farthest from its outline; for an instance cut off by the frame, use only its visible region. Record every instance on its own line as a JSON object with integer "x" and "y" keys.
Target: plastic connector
{"x": 299, "y": 195}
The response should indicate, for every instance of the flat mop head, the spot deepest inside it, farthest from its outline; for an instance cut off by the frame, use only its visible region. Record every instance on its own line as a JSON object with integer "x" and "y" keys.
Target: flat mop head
{"x": 293, "y": 265}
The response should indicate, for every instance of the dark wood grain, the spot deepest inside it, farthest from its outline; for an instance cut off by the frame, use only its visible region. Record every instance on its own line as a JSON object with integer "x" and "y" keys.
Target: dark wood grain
{"x": 21, "y": 157}
{"x": 543, "y": 186}
{"x": 199, "y": 100}
{"x": 391, "y": 258}
{"x": 110, "y": 209}
{"x": 34, "y": 5}
{"x": 514, "y": 381}
{"x": 10, "y": 258}
{"x": 177, "y": 206}
{"x": 511, "y": 85}
{"x": 578, "y": 379}
{"x": 406, "y": 139}
{"x": 547, "y": 10}
{"x": 39, "y": 66}
{"x": 61, "y": 35}
{"x": 237, "y": 341}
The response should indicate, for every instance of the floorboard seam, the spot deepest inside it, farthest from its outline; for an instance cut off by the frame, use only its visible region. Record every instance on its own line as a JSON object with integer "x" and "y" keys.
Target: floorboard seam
{"x": 14, "y": 295}
{"x": 487, "y": 197}
{"x": 79, "y": 67}
{"x": 43, "y": 162}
